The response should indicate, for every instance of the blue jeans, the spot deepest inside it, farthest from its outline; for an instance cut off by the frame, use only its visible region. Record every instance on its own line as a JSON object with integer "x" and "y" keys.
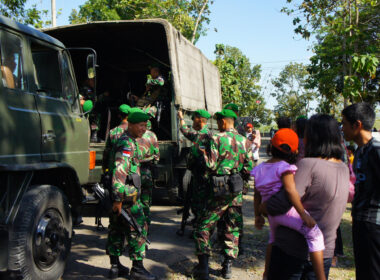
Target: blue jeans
{"x": 286, "y": 267}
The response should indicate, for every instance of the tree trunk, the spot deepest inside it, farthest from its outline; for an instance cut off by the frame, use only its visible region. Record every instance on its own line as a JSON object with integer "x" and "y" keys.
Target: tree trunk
{"x": 344, "y": 57}
{"x": 198, "y": 20}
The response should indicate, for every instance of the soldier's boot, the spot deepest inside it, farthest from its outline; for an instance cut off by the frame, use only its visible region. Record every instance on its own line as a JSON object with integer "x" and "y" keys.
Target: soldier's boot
{"x": 138, "y": 272}
{"x": 117, "y": 269}
{"x": 200, "y": 271}
{"x": 227, "y": 268}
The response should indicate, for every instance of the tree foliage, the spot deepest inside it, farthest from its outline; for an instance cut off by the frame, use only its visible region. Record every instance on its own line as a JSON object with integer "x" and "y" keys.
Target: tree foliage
{"x": 15, "y": 9}
{"x": 291, "y": 91}
{"x": 346, "y": 60}
{"x": 239, "y": 82}
{"x": 186, "y": 15}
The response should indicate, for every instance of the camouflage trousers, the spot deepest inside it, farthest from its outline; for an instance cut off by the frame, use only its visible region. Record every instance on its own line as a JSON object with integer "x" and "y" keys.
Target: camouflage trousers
{"x": 228, "y": 208}
{"x": 146, "y": 192}
{"x": 199, "y": 196}
{"x": 119, "y": 230}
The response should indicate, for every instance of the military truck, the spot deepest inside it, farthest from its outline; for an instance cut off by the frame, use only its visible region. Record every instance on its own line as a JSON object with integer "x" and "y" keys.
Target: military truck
{"x": 47, "y": 163}
{"x": 125, "y": 50}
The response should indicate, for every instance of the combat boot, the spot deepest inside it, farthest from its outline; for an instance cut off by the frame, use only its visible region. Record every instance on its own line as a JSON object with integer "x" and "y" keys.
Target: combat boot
{"x": 117, "y": 269}
{"x": 227, "y": 268}
{"x": 200, "y": 271}
{"x": 138, "y": 272}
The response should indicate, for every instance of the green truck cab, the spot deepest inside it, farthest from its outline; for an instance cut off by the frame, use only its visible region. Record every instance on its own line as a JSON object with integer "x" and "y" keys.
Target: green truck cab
{"x": 47, "y": 163}
{"x": 44, "y": 152}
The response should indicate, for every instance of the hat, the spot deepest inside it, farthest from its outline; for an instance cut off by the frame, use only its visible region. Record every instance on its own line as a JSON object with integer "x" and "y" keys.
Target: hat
{"x": 232, "y": 106}
{"x": 285, "y": 136}
{"x": 154, "y": 65}
{"x": 202, "y": 113}
{"x": 249, "y": 125}
{"x": 137, "y": 115}
{"x": 87, "y": 106}
{"x": 225, "y": 113}
{"x": 151, "y": 111}
{"x": 124, "y": 108}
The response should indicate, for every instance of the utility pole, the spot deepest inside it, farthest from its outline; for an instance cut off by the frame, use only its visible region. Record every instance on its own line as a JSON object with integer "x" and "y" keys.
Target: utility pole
{"x": 53, "y": 15}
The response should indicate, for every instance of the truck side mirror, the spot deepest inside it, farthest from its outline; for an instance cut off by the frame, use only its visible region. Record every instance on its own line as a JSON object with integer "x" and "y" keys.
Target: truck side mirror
{"x": 91, "y": 66}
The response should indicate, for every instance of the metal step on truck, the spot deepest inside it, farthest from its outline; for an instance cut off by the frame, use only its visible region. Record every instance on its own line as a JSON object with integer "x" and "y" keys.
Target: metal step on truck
{"x": 47, "y": 163}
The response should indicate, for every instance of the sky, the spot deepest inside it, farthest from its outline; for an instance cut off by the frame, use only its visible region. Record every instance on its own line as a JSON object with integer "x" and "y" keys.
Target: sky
{"x": 256, "y": 27}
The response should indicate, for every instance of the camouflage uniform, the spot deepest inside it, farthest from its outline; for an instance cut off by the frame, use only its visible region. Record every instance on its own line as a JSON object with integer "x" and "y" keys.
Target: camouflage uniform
{"x": 228, "y": 154}
{"x": 150, "y": 155}
{"x": 127, "y": 159}
{"x": 197, "y": 166}
{"x": 109, "y": 151}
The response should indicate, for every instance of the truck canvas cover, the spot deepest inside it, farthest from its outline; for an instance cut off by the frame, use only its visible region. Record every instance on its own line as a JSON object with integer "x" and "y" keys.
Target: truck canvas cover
{"x": 195, "y": 80}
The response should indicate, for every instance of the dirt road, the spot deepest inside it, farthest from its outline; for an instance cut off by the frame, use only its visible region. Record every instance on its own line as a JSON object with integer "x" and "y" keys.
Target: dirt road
{"x": 169, "y": 256}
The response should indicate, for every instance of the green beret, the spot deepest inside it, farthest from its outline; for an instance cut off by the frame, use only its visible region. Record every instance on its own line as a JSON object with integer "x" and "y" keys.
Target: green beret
{"x": 124, "y": 108}
{"x": 154, "y": 65}
{"x": 232, "y": 106}
{"x": 136, "y": 115}
{"x": 226, "y": 113}
{"x": 202, "y": 113}
{"x": 87, "y": 106}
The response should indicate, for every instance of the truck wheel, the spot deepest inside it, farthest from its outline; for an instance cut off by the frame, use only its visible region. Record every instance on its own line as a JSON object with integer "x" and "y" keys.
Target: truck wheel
{"x": 40, "y": 239}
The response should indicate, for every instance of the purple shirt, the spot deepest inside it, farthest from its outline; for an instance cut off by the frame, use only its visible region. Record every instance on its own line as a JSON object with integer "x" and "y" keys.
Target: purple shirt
{"x": 268, "y": 177}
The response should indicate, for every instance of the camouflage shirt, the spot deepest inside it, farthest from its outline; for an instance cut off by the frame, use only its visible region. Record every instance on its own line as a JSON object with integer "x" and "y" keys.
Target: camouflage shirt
{"x": 148, "y": 144}
{"x": 159, "y": 81}
{"x": 127, "y": 162}
{"x": 199, "y": 139}
{"x": 109, "y": 151}
{"x": 229, "y": 153}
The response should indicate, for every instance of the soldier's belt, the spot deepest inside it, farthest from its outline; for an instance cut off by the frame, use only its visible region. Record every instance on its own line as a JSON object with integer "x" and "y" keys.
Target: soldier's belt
{"x": 227, "y": 184}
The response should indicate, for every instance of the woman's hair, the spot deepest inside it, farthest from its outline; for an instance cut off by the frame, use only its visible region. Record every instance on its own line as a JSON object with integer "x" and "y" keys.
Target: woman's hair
{"x": 288, "y": 156}
{"x": 300, "y": 127}
{"x": 323, "y": 137}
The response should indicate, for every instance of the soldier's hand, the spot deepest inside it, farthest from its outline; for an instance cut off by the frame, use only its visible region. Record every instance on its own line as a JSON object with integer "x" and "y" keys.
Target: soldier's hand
{"x": 116, "y": 207}
{"x": 180, "y": 114}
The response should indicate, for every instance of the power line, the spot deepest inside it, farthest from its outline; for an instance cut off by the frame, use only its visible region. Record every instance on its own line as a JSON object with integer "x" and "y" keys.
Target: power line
{"x": 281, "y": 61}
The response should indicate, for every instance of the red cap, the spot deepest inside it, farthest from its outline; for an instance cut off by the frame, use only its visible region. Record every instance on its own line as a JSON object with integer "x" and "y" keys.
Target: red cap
{"x": 285, "y": 136}
{"x": 249, "y": 125}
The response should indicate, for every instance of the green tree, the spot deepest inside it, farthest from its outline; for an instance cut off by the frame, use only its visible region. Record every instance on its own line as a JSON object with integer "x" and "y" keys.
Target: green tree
{"x": 190, "y": 17}
{"x": 291, "y": 91}
{"x": 239, "y": 83}
{"x": 347, "y": 47}
{"x": 15, "y": 9}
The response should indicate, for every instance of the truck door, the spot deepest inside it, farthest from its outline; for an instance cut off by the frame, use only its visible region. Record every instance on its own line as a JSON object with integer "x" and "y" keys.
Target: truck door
{"x": 20, "y": 122}
{"x": 65, "y": 131}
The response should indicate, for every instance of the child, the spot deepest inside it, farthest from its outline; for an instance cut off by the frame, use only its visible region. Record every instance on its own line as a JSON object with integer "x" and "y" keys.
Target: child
{"x": 270, "y": 177}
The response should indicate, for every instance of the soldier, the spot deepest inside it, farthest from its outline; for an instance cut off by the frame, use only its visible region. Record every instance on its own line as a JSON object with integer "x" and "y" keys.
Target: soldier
{"x": 125, "y": 193}
{"x": 227, "y": 159}
{"x": 239, "y": 128}
{"x": 114, "y": 135}
{"x": 195, "y": 162}
{"x": 149, "y": 148}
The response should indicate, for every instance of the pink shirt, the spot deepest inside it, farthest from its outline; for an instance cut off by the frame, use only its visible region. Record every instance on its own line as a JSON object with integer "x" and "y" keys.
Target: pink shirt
{"x": 268, "y": 177}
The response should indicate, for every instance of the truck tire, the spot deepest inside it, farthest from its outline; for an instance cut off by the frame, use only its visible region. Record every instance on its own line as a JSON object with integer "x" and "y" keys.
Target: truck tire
{"x": 40, "y": 239}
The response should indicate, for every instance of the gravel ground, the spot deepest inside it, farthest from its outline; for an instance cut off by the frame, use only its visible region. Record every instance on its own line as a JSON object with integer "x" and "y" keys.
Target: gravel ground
{"x": 169, "y": 256}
